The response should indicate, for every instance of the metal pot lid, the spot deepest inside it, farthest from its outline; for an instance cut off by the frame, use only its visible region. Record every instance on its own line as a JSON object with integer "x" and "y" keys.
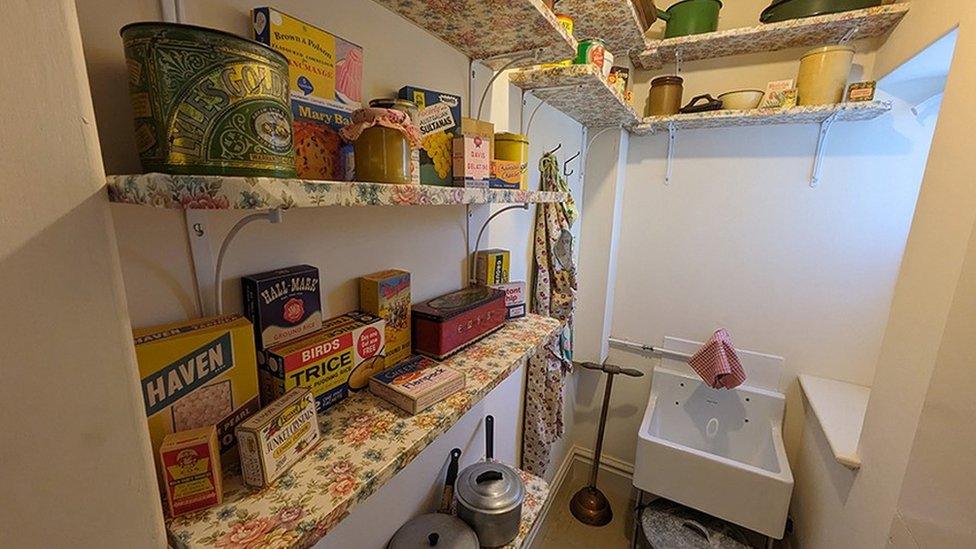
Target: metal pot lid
{"x": 489, "y": 487}
{"x": 434, "y": 530}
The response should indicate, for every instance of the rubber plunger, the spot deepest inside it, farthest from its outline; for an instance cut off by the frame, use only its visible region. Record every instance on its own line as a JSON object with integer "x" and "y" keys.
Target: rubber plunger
{"x": 589, "y": 505}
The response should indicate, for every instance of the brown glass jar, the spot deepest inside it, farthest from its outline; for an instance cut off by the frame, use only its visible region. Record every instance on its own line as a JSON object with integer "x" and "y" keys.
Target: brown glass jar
{"x": 665, "y": 96}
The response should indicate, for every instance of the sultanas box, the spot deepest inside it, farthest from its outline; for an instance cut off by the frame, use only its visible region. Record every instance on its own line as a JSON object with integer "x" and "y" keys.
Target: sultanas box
{"x": 284, "y": 305}
{"x": 440, "y": 122}
{"x": 326, "y": 79}
{"x": 330, "y": 361}
{"x": 198, "y": 373}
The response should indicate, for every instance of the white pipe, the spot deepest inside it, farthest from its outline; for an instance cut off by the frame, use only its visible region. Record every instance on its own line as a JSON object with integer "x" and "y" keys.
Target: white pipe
{"x": 665, "y": 353}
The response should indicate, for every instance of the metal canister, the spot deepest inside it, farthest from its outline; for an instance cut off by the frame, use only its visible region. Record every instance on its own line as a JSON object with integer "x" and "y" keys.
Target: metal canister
{"x": 208, "y": 102}
{"x": 514, "y": 147}
{"x": 665, "y": 96}
{"x": 591, "y": 51}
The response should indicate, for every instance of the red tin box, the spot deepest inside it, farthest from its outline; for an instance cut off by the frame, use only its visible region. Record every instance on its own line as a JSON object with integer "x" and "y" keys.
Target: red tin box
{"x": 446, "y": 324}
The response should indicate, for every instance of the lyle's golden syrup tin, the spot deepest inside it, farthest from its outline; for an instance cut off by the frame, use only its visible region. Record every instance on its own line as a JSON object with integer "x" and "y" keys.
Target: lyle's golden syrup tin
{"x": 208, "y": 102}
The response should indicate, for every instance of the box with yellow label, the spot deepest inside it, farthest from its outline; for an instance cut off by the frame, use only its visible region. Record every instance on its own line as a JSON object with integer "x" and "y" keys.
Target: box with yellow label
{"x": 326, "y": 82}
{"x": 198, "y": 373}
{"x": 330, "y": 361}
{"x": 191, "y": 470}
{"x": 386, "y": 294}
{"x": 491, "y": 266}
{"x": 273, "y": 439}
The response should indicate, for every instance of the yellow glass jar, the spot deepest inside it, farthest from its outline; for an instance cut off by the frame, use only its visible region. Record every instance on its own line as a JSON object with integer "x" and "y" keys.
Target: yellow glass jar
{"x": 382, "y": 156}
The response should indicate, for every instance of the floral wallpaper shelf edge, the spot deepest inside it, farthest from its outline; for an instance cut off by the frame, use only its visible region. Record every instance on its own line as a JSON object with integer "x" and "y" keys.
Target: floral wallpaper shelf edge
{"x": 215, "y": 192}
{"x": 794, "y": 33}
{"x": 763, "y": 117}
{"x": 614, "y": 21}
{"x": 365, "y": 442}
{"x": 491, "y": 30}
{"x": 579, "y": 91}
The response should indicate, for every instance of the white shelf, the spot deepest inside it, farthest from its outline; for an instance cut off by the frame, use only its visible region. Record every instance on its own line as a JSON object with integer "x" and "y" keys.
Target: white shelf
{"x": 492, "y": 33}
{"x": 579, "y": 91}
{"x": 839, "y": 408}
{"x": 794, "y": 33}
{"x": 210, "y": 192}
{"x": 760, "y": 117}
{"x": 614, "y": 21}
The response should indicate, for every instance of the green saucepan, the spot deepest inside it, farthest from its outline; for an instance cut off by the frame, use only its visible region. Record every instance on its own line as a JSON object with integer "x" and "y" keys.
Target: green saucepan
{"x": 782, "y": 10}
{"x": 691, "y": 17}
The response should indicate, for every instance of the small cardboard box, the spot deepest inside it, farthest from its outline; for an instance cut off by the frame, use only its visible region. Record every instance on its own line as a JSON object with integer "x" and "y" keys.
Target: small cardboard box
{"x": 471, "y": 162}
{"x": 191, "y": 472}
{"x": 440, "y": 122}
{"x": 416, "y": 384}
{"x": 284, "y": 305}
{"x": 198, "y": 373}
{"x": 505, "y": 174}
{"x": 273, "y": 439}
{"x": 481, "y": 128}
{"x": 491, "y": 266}
{"x": 514, "y": 298}
{"x": 343, "y": 354}
{"x": 326, "y": 82}
{"x": 386, "y": 294}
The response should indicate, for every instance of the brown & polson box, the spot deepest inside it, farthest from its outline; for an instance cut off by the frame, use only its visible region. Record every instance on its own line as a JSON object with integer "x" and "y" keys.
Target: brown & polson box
{"x": 446, "y": 324}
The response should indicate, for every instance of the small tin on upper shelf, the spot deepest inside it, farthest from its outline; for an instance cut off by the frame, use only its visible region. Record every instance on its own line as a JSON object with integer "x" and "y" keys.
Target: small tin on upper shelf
{"x": 208, "y": 102}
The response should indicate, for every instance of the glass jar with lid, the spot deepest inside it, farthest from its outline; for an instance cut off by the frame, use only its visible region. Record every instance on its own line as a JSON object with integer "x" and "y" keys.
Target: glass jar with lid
{"x": 382, "y": 140}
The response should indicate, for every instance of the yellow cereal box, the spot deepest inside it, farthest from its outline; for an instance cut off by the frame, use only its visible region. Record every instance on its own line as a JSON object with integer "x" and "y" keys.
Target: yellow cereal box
{"x": 191, "y": 470}
{"x": 491, "y": 266}
{"x": 198, "y": 373}
{"x": 386, "y": 294}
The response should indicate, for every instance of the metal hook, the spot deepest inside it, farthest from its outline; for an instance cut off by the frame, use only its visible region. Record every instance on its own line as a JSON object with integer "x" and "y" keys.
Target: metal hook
{"x": 568, "y": 160}
{"x": 552, "y": 152}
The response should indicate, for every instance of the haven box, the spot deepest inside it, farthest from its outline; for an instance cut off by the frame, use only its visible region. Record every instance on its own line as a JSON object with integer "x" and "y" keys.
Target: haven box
{"x": 343, "y": 355}
{"x": 198, "y": 373}
{"x": 326, "y": 81}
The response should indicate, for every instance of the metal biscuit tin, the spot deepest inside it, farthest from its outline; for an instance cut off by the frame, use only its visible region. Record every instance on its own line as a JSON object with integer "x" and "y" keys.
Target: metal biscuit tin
{"x": 208, "y": 102}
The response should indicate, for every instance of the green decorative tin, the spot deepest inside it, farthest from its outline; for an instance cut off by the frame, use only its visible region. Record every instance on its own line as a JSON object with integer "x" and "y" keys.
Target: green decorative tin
{"x": 208, "y": 102}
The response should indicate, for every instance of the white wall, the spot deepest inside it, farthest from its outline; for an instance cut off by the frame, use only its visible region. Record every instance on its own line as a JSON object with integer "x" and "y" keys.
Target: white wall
{"x": 738, "y": 239}
{"x": 343, "y": 242}
{"x": 77, "y": 466}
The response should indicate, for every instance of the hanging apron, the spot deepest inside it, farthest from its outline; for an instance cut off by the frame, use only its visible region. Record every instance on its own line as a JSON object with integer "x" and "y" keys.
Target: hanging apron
{"x": 553, "y": 295}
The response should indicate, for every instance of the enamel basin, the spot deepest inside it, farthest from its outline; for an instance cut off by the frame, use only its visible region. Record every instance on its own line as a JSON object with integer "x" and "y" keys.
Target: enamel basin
{"x": 718, "y": 451}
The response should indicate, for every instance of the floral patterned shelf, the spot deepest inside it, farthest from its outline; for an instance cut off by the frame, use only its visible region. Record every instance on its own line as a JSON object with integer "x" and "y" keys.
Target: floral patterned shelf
{"x": 536, "y": 494}
{"x": 365, "y": 442}
{"x": 810, "y": 31}
{"x": 762, "y": 117}
{"x": 580, "y": 91}
{"x": 493, "y": 31}
{"x": 614, "y": 21}
{"x": 210, "y": 192}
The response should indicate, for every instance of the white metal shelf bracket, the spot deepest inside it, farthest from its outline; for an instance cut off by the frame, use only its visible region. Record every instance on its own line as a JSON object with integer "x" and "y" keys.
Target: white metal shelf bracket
{"x": 672, "y": 134}
{"x": 821, "y": 146}
{"x": 206, "y": 266}
{"x": 521, "y": 56}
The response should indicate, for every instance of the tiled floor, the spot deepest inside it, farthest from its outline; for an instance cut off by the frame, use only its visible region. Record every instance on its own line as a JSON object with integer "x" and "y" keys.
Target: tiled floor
{"x": 562, "y": 531}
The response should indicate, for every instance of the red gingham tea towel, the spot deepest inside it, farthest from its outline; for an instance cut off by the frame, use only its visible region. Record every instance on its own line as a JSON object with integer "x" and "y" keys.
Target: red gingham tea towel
{"x": 717, "y": 363}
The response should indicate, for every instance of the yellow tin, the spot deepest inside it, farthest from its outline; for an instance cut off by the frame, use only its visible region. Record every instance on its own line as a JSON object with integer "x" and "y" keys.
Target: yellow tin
{"x": 514, "y": 147}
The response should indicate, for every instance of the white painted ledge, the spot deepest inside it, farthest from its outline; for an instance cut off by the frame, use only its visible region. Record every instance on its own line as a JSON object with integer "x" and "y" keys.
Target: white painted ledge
{"x": 839, "y": 408}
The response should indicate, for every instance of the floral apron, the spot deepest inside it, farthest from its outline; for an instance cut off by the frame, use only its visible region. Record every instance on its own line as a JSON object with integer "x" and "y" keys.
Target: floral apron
{"x": 554, "y": 295}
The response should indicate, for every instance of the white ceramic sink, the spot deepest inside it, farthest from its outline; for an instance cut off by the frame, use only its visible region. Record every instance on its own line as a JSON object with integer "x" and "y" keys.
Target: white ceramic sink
{"x": 718, "y": 451}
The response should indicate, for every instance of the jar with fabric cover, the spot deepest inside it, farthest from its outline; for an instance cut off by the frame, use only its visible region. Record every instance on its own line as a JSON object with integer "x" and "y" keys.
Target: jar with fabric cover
{"x": 382, "y": 140}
